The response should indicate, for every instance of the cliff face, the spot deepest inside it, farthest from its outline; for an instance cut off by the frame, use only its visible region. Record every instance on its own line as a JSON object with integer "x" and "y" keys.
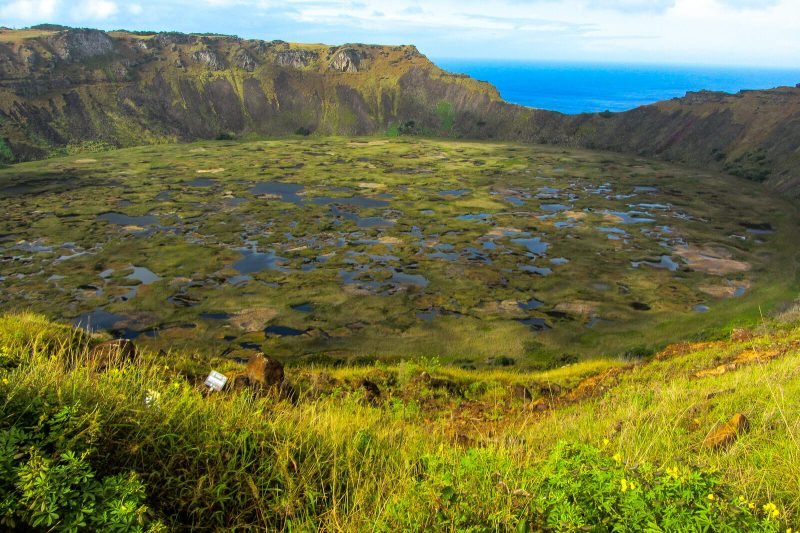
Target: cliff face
{"x": 62, "y": 87}
{"x": 752, "y": 134}
{"x": 68, "y": 87}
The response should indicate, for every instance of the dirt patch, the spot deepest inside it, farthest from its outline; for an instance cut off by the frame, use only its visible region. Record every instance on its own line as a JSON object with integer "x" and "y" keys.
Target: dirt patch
{"x": 385, "y": 239}
{"x": 254, "y": 319}
{"x": 502, "y": 232}
{"x": 210, "y": 170}
{"x": 745, "y": 358}
{"x": 683, "y": 348}
{"x": 596, "y": 385}
{"x": 367, "y": 143}
{"x": 84, "y": 161}
{"x": 714, "y": 260}
{"x": 578, "y": 307}
{"x": 371, "y": 186}
{"x": 725, "y": 291}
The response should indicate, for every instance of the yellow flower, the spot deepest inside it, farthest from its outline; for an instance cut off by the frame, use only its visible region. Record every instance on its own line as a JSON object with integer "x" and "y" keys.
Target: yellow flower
{"x": 617, "y": 457}
{"x": 606, "y": 442}
{"x": 623, "y": 485}
{"x": 672, "y": 472}
{"x": 771, "y": 509}
{"x": 711, "y": 497}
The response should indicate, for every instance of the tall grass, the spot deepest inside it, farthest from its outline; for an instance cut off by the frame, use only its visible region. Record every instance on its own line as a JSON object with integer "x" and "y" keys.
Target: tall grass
{"x": 338, "y": 463}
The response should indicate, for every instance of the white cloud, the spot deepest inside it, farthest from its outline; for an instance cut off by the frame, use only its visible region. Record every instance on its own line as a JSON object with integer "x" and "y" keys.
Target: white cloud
{"x": 94, "y": 10}
{"x": 135, "y": 9}
{"x": 29, "y": 10}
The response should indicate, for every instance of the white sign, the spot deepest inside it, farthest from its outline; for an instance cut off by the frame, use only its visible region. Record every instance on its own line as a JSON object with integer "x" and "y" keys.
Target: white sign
{"x": 216, "y": 381}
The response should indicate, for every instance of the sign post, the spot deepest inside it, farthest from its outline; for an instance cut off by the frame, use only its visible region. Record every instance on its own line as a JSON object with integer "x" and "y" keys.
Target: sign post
{"x": 216, "y": 381}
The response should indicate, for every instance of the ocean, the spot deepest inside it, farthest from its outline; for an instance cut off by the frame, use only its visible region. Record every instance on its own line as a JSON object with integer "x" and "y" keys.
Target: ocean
{"x": 580, "y": 88}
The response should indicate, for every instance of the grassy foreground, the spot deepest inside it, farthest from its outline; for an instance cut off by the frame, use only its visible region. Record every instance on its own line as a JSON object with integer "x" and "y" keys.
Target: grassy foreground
{"x": 601, "y": 445}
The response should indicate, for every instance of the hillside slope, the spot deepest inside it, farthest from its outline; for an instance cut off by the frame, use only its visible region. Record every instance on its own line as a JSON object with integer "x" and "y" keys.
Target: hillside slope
{"x": 603, "y": 445}
{"x": 70, "y": 89}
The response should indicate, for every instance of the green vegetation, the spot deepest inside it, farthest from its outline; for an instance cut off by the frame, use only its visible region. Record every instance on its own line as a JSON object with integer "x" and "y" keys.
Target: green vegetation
{"x": 603, "y": 445}
{"x": 481, "y": 254}
{"x": 6, "y": 155}
{"x": 446, "y": 114}
{"x": 752, "y": 165}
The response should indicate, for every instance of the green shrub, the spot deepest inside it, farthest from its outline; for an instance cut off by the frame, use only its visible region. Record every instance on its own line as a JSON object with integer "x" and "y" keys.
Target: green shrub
{"x": 584, "y": 487}
{"x": 47, "y": 481}
{"x": 6, "y": 155}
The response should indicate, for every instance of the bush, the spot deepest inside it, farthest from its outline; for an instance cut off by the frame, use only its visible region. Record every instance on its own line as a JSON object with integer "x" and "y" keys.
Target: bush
{"x": 47, "y": 482}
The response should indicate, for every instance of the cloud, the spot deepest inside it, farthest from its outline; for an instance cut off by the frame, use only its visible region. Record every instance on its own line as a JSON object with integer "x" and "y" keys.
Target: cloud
{"x": 634, "y": 6}
{"x": 135, "y": 9}
{"x": 750, "y": 4}
{"x": 94, "y": 10}
{"x": 27, "y": 10}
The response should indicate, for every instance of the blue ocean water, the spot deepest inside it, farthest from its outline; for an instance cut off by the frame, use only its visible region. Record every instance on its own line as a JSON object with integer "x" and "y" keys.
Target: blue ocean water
{"x": 579, "y": 88}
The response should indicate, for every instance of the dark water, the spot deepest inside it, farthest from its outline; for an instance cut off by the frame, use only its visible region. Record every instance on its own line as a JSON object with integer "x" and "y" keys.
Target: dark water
{"x": 581, "y": 88}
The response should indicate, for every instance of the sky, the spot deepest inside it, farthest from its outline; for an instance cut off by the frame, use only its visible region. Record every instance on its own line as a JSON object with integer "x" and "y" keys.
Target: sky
{"x": 712, "y": 32}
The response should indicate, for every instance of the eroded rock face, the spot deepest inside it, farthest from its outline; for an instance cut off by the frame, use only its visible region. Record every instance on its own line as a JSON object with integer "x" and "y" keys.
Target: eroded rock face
{"x": 209, "y": 58}
{"x": 77, "y": 45}
{"x": 245, "y": 61}
{"x": 347, "y": 60}
{"x": 169, "y": 38}
{"x": 298, "y": 59}
{"x": 264, "y": 371}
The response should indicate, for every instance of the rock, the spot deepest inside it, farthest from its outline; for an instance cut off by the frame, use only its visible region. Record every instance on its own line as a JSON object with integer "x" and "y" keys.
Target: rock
{"x": 452, "y": 388}
{"x": 726, "y": 434}
{"x": 298, "y": 59}
{"x": 209, "y": 58}
{"x": 245, "y": 61}
{"x": 521, "y": 392}
{"x": 80, "y": 44}
{"x": 347, "y": 60}
{"x": 112, "y": 353}
{"x": 550, "y": 389}
{"x": 373, "y": 393}
{"x": 170, "y": 38}
{"x": 264, "y": 372}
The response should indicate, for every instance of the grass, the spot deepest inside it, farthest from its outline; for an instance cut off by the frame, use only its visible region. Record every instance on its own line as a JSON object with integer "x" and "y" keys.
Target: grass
{"x": 426, "y": 455}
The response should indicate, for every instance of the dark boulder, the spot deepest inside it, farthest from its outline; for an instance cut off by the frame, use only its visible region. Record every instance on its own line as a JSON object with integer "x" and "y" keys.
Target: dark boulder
{"x": 372, "y": 392}
{"x": 521, "y": 392}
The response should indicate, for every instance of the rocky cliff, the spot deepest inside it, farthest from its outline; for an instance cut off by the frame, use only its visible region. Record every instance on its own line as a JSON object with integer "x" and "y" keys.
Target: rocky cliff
{"x": 63, "y": 88}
